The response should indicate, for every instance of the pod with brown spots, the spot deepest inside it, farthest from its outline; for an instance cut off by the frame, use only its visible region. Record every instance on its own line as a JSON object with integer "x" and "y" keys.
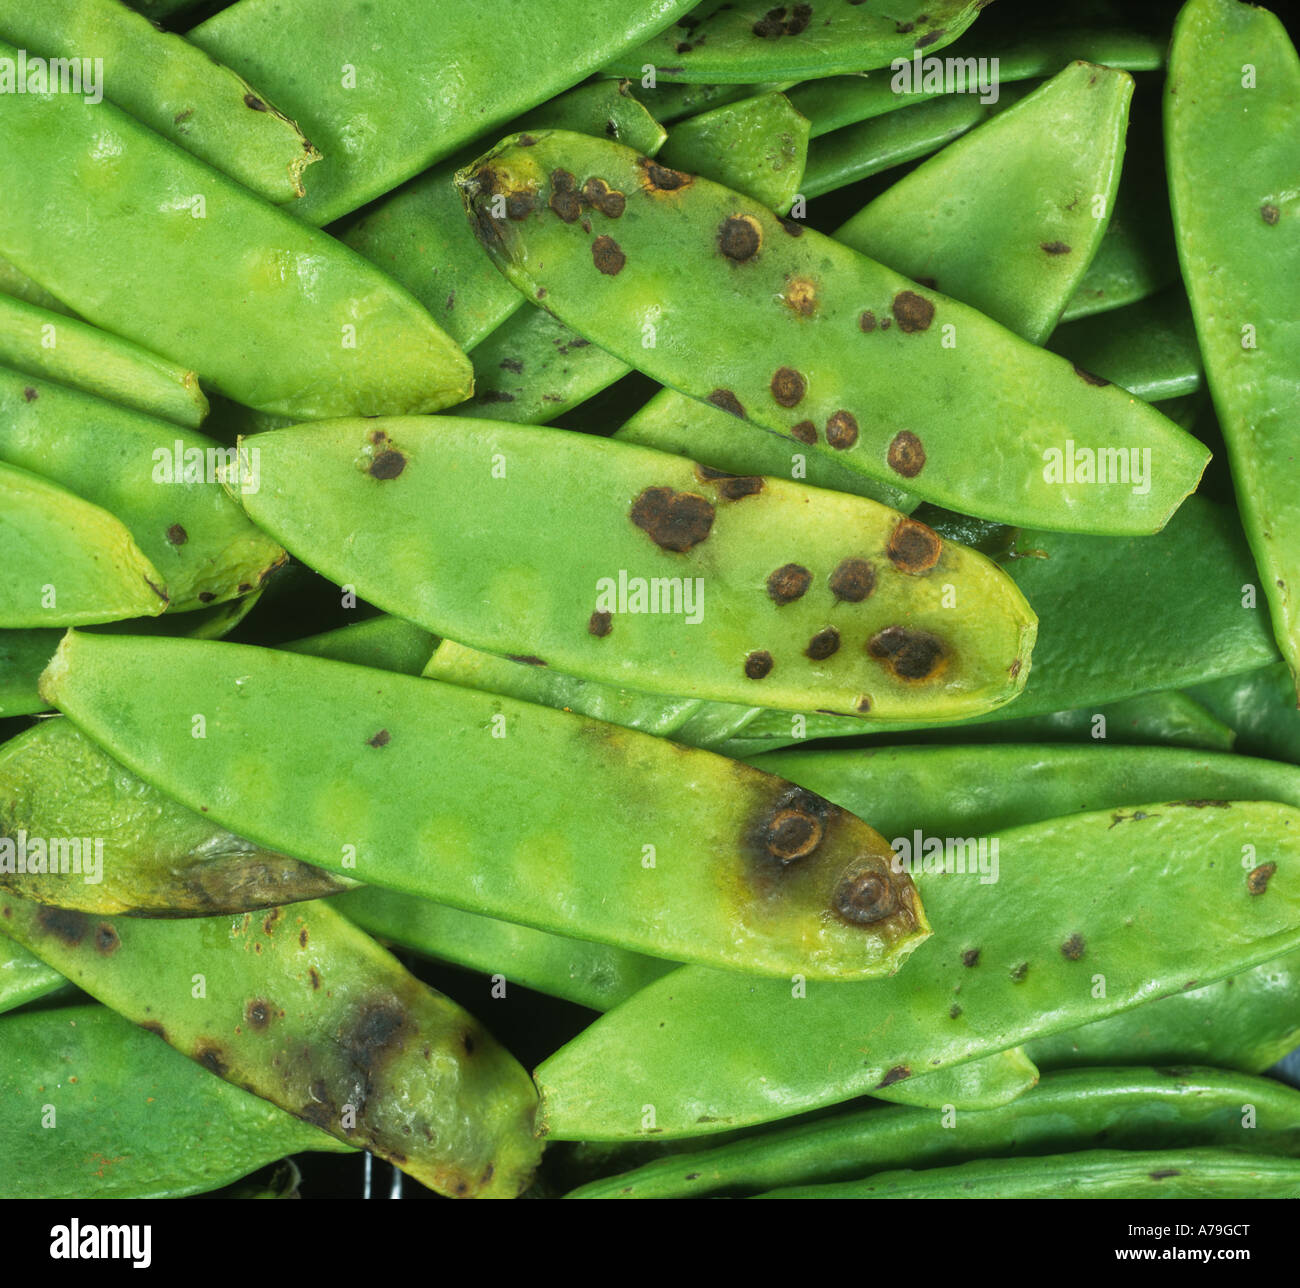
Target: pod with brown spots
{"x": 736, "y": 296}
{"x": 1131, "y": 900}
{"x": 301, "y": 1008}
{"x": 743, "y": 590}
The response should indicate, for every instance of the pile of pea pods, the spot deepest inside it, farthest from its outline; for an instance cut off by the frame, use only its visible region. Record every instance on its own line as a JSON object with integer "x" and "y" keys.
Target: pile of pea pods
{"x": 637, "y": 599}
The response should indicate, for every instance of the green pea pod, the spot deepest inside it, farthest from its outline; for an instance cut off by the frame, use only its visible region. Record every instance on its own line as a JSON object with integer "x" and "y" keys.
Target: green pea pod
{"x": 22, "y": 287}
{"x": 24, "y": 978}
{"x": 385, "y": 642}
{"x": 1130, "y": 1108}
{"x": 978, "y": 1084}
{"x": 1076, "y": 899}
{"x": 691, "y": 721}
{"x": 858, "y": 151}
{"x": 751, "y": 41}
{"x": 1092, "y": 1174}
{"x": 758, "y": 145}
{"x": 145, "y": 241}
{"x": 172, "y": 87}
{"x": 41, "y": 343}
{"x": 672, "y": 422}
{"x": 78, "y": 830}
{"x": 157, "y": 477}
{"x": 1260, "y": 705}
{"x": 1247, "y": 1021}
{"x": 864, "y": 625}
{"x": 801, "y": 311}
{"x": 670, "y": 102}
{"x": 306, "y": 1011}
{"x": 424, "y": 79}
{"x": 609, "y": 108}
{"x": 703, "y": 874}
{"x": 1040, "y": 177}
{"x": 1197, "y": 623}
{"x": 596, "y": 975}
{"x": 1148, "y": 348}
{"x": 1232, "y": 138}
{"x": 131, "y": 1117}
{"x": 68, "y": 561}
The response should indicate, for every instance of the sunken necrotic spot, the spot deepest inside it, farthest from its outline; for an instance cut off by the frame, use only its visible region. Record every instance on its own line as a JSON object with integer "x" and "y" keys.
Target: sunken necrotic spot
{"x": 607, "y": 256}
{"x": 906, "y": 454}
{"x": 177, "y": 535}
{"x": 726, "y": 401}
{"x": 1269, "y": 214}
{"x": 731, "y": 487}
{"x": 853, "y": 580}
{"x": 842, "y": 430}
{"x": 912, "y": 311}
{"x": 866, "y": 321}
{"x": 387, "y": 465}
{"x": 600, "y": 196}
{"x": 1073, "y": 948}
{"x": 740, "y": 237}
{"x": 864, "y": 894}
{"x": 661, "y": 179}
{"x": 805, "y": 431}
{"x": 914, "y": 548}
{"x": 564, "y": 199}
{"x": 1056, "y": 248}
{"x": 788, "y": 583}
{"x": 1088, "y": 378}
{"x": 758, "y": 664}
{"x": 1257, "y": 881}
{"x": 600, "y": 624}
{"x": 788, "y": 387}
{"x": 673, "y": 520}
{"x": 106, "y": 940}
{"x": 823, "y": 644}
{"x": 64, "y": 924}
{"x": 910, "y": 654}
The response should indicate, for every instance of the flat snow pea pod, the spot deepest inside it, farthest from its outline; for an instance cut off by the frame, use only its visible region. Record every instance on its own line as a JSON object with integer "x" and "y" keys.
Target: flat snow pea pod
{"x": 1091, "y": 1174}
{"x": 1247, "y": 1021}
{"x": 42, "y": 343}
{"x": 1033, "y": 179}
{"x": 306, "y": 1011}
{"x": 670, "y": 102}
{"x": 1148, "y": 348}
{"x": 596, "y": 975}
{"x": 1260, "y": 706}
{"x": 1010, "y": 959}
{"x": 1196, "y": 622}
{"x": 720, "y": 864}
{"x": 142, "y": 239}
{"x": 758, "y": 145}
{"x": 385, "y": 92}
{"x": 795, "y": 618}
{"x": 159, "y": 478}
{"x": 22, "y": 287}
{"x": 978, "y": 1084}
{"x": 133, "y": 1118}
{"x": 24, "y": 977}
{"x": 1232, "y": 139}
{"x": 172, "y": 87}
{"x": 672, "y": 422}
{"x": 751, "y": 41}
{"x": 803, "y": 318}
{"x": 67, "y": 561}
{"x": 1131, "y": 1108}
{"x": 686, "y": 720}
{"x": 385, "y": 642}
{"x": 78, "y": 830}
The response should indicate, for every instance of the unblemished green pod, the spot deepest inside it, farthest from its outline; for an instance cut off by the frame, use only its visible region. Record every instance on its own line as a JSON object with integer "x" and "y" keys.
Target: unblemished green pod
{"x": 1232, "y": 142}
{"x": 1040, "y": 179}
{"x": 1130, "y": 1108}
{"x": 157, "y": 477}
{"x": 24, "y": 977}
{"x": 1148, "y": 348}
{"x": 720, "y": 864}
{"x": 386, "y": 642}
{"x": 779, "y": 325}
{"x": 751, "y": 41}
{"x": 22, "y": 287}
{"x": 757, "y": 145}
{"x": 131, "y": 1117}
{"x": 78, "y": 830}
{"x": 1090, "y": 1174}
{"x": 691, "y": 583}
{"x": 301, "y": 1008}
{"x": 1260, "y": 705}
{"x": 68, "y": 562}
{"x": 170, "y": 86}
{"x": 1011, "y": 958}
{"x": 1247, "y": 1021}
{"x": 386, "y": 92}
{"x": 148, "y": 242}
{"x": 1196, "y": 623}
{"x": 38, "y": 342}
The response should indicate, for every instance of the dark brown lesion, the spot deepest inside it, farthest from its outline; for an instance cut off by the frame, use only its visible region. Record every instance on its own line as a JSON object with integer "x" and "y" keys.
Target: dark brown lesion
{"x": 731, "y": 487}
{"x": 107, "y": 941}
{"x": 842, "y": 430}
{"x": 897, "y": 1074}
{"x": 258, "y": 1013}
{"x": 740, "y": 237}
{"x": 658, "y": 178}
{"x": 1073, "y": 948}
{"x": 788, "y": 583}
{"x": 608, "y": 256}
{"x": 1055, "y": 248}
{"x": 913, "y": 312}
{"x": 387, "y": 464}
{"x": 758, "y": 665}
{"x": 673, "y": 520}
{"x": 597, "y": 194}
{"x": 910, "y": 655}
{"x": 788, "y": 386}
{"x": 65, "y": 924}
{"x": 865, "y": 894}
{"x": 853, "y": 580}
{"x": 1089, "y": 378}
{"x": 600, "y": 624}
{"x": 906, "y": 454}
{"x": 1257, "y": 881}
{"x": 727, "y": 401}
{"x": 805, "y": 431}
{"x": 914, "y": 548}
{"x": 823, "y": 645}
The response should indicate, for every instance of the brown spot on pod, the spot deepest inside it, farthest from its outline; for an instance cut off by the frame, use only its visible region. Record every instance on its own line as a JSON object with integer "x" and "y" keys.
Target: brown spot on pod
{"x": 913, "y": 548}
{"x": 600, "y": 196}
{"x": 525, "y": 659}
{"x": 912, "y": 311}
{"x": 467, "y": 1042}
{"x": 865, "y": 894}
{"x": 30, "y": 394}
{"x": 930, "y": 37}
{"x": 864, "y": 705}
{"x": 788, "y": 583}
{"x": 805, "y": 431}
{"x": 1056, "y": 248}
{"x": 152, "y": 1026}
{"x": 1269, "y": 214}
{"x": 731, "y": 487}
{"x": 866, "y": 321}
{"x": 525, "y": 141}
{"x": 906, "y": 454}
{"x": 1014, "y": 669}
{"x": 791, "y": 226}
{"x": 842, "y": 430}
{"x": 954, "y": 1011}
{"x": 788, "y": 387}
{"x": 211, "y": 1058}
{"x": 106, "y": 939}
{"x": 823, "y": 645}
{"x": 909, "y": 654}
{"x": 64, "y": 924}
{"x": 564, "y": 200}
{"x": 1164, "y": 1174}
{"x": 607, "y": 256}
{"x": 1073, "y": 948}
{"x": 258, "y": 1014}
{"x": 177, "y": 535}
{"x": 521, "y": 204}
{"x": 600, "y": 624}
{"x": 512, "y": 364}
{"x": 1257, "y": 881}
{"x": 303, "y": 937}
{"x": 971, "y": 957}
{"x": 672, "y": 520}
{"x": 794, "y": 834}
{"x": 659, "y": 178}
{"x": 1019, "y": 972}
{"x": 800, "y": 296}
{"x": 387, "y": 465}
{"x": 381, "y": 739}
{"x": 314, "y": 976}
{"x": 251, "y": 100}
{"x": 789, "y": 829}
{"x": 758, "y": 665}
{"x": 897, "y": 1074}
{"x": 726, "y": 401}
{"x": 853, "y": 580}
{"x": 740, "y": 237}
{"x": 1088, "y": 378}
{"x": 205, "y": 596}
